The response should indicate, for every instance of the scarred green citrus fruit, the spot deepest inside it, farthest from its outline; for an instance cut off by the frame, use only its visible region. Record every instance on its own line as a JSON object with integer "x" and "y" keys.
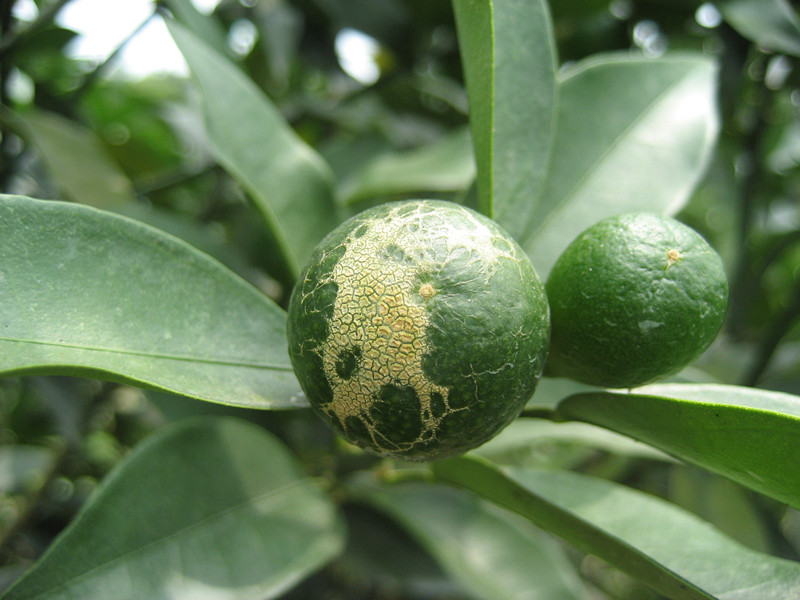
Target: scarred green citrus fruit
{"x": 418, "y": 329}
{"x": 634, "y": 298}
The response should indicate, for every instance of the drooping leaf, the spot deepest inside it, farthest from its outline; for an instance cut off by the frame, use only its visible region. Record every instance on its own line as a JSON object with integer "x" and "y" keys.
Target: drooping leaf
{"x": 81, "y": 167}
{"x": 746, "y": 434}
{"x": 633, "y": 134}
{"x": 488, "y": 551}
{"x": 445, "y": 166}
{"x": 86, "y": 292}
{"x": 290, "y": 183}
{"x": 661, "y": 545}
{"x": 772, "y": 24}
{"x": 508, "y": 54}
{"x": 209, "y": 508}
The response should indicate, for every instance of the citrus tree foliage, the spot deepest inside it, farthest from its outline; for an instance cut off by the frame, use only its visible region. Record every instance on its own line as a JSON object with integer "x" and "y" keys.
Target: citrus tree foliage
{"x": 154, "y": 442}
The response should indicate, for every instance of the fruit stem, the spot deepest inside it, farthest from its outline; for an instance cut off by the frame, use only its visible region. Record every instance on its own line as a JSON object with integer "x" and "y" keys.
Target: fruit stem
{"x": 390, "y": 473}
{"x": 541, "y": 412}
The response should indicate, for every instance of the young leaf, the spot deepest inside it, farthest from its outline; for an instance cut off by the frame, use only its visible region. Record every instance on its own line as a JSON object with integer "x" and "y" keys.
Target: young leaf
{"x": 488, "y": 551}
{"x": 508, "y": 54}
{"x": 745, "y": 434}
{"x": 90, "y": 176}
{"x": 209, "y": 508}
{"x": 289, "y": 182}
{"x": 86, "y": 292}
{"x": 633, "y": 134}
{"x": 665, "y": 547}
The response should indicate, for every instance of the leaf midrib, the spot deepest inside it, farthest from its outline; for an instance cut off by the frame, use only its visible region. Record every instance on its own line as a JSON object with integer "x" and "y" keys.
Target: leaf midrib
{"x": 489, "y": 199}
{"x": 160, "y": 356}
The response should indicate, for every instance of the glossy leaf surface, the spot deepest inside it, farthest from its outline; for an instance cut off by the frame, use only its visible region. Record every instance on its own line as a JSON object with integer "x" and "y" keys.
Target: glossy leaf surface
{"x": 85, "y": 292}
{"x": 633, "y": 134}
{"x": 213, "y": 509}
{"x": 508, "y": 54}
{"x": 680, "y": 556}
{"x": 746, "y": 434}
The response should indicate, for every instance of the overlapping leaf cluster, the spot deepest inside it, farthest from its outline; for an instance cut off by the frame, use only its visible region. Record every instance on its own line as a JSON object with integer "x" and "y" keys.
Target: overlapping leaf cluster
{"x": 683, "y": 486}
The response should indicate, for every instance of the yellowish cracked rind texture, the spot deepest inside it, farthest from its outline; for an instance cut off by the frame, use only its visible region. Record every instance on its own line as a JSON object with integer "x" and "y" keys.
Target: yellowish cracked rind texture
{"x": 418, "y": 329}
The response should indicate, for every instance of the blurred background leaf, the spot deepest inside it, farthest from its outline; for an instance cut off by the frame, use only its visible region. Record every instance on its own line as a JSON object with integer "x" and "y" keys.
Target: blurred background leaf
{"x": 446, "y": 165}
{"x": 209, "y": 505}
{"x": 490, "y": 551}
{"x": 79, "y": 162}
{"x": 289, "y": 182}
{"x": 771, "y": 23}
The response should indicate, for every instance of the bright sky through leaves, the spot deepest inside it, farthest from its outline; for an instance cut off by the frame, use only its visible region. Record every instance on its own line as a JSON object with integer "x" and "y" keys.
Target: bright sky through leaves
{"x": 102, "y": 26}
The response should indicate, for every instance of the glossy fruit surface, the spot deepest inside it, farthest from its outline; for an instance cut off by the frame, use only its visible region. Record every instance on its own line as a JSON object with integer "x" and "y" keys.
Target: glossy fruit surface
{"x": 418, "y": 329}
{"x": 634, "y": 298}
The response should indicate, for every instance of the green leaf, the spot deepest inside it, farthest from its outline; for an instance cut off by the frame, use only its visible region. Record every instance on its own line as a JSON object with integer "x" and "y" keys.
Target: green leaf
{"x": 772, "y": 24}
{"x": 745, "y": 434}
{"x": 80, "y": 165}
{"x": 729, "y": 507}
{"x": 86, "y": 292}
{"x": 488, "y": 551}
{"x": 444, "y": 166}
{"x": 673, "y": 551}
{"x": 508, "y": 54}
{"x": 210, "y": 508}
{"x": 289, "y": 182}
{"x": 633, "y": 134}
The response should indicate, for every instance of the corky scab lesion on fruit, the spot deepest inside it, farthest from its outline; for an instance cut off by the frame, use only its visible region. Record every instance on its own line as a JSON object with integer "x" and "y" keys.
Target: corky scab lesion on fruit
{"x": 375, "y": 313}
{"x": 377, "y": 335}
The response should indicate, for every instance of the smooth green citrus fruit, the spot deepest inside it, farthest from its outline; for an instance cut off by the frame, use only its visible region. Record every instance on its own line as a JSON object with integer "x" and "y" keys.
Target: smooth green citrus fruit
{"x": 418, "y": 329}
{"x": 634, "y": 298}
